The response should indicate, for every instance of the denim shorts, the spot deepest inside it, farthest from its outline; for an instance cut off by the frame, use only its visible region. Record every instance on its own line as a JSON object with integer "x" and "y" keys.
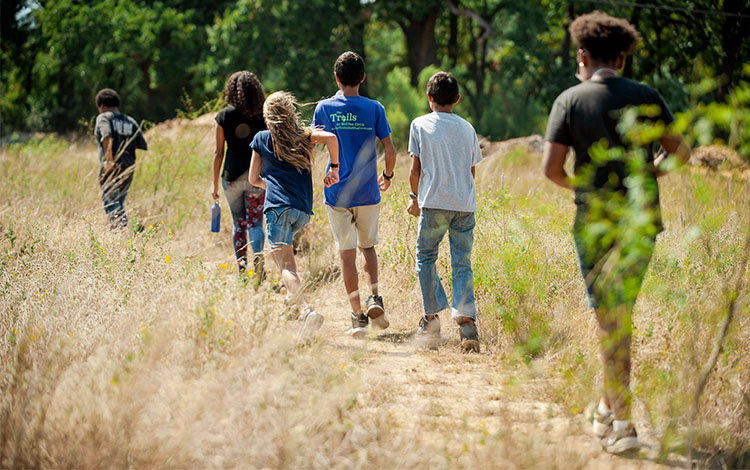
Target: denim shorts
{"x": 282, "y": 223}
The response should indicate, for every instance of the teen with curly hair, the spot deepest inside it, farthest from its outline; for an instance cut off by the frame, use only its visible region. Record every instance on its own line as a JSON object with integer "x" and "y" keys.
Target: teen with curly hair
{"x": 613, "y": 266}
{"x": 236, "y": 127}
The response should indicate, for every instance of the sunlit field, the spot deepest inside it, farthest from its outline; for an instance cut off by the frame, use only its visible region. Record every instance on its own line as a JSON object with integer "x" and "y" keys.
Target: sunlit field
{"x": 146, "y": 349}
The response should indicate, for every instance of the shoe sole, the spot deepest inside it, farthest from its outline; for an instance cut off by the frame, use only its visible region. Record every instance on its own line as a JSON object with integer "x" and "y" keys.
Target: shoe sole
{"x": 312, "y": 323}
{"x": 625, "y": 444}
{"x": 470, "y": 345}
{"x": 359, "y": 332}
{"x": 379, "y": 321}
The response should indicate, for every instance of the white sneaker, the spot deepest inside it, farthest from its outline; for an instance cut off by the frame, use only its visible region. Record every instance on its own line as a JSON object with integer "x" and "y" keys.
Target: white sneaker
{"x": 311, "y": 322}
{"x": 601, "y": 419}
{"x": 623, "y": 438}
{"x": 359, "y": 325}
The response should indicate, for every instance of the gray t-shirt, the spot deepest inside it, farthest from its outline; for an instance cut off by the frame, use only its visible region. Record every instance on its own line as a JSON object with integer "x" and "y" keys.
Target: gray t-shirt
{"x": 447, "y": 147}
{"x": 125, "y": 133}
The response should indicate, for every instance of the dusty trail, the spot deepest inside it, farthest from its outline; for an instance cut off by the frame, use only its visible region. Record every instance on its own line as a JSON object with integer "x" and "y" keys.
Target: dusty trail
{"x": 454, "y": 399}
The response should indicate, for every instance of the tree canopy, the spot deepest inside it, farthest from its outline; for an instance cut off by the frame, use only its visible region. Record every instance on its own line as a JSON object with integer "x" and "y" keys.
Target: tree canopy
{"x": 511, "y": 57}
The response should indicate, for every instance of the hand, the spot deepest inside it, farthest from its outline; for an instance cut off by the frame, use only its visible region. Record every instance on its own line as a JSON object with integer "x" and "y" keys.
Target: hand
{"x": 109, "y": 165}
{"x": 413, "y": 208}
{"x": 384, "y": 183}
{"x": 215, "y": 193}
{"x": 331, "y": 178}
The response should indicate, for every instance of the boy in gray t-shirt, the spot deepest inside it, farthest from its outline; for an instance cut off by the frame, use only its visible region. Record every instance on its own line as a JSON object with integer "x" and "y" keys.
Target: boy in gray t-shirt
{"x": 444, "y": 149}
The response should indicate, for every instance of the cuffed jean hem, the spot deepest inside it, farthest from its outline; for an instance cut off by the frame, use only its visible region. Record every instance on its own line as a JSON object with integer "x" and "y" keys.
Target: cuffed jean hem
{"x": 455, "y": 314}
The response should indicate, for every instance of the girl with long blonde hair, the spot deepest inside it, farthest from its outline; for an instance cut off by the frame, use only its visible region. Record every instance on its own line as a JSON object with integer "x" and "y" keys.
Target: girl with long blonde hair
{"x": 282, "y": 165}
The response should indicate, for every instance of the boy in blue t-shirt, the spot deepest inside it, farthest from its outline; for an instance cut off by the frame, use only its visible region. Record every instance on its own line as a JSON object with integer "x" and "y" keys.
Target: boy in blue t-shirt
{"x": 353, "y": 204}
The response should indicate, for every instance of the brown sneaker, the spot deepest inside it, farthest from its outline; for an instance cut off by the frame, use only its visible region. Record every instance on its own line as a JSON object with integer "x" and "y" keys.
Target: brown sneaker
{"x": 376, "y": 312}
{"x": 428, "y": 333}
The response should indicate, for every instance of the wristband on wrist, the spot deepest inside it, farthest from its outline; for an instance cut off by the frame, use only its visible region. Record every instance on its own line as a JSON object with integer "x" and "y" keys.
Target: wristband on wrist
{"x": 386, "y": 176}
{"x": 413, "y": 196}
{"x": 334, "y": 165}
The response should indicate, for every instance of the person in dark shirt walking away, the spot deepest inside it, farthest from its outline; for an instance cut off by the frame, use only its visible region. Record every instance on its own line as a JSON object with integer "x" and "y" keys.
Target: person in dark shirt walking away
{"x": 118, "y": 136}
{"x": 617, "y": 199}
{"x": 236, "y": 126}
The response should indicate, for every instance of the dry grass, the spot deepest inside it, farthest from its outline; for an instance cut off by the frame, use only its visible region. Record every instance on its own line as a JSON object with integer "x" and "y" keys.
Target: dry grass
{"x": 146, "y": 350}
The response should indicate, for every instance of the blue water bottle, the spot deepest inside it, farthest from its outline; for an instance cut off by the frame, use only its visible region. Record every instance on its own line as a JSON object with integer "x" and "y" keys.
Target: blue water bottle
{"x": 215, "y": 217}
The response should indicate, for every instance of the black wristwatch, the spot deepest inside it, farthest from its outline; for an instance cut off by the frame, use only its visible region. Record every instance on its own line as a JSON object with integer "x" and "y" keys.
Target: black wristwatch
{"x": 413, "y": 196}
{"x": 334, "y": 165}
{"x": 386, "y": 176}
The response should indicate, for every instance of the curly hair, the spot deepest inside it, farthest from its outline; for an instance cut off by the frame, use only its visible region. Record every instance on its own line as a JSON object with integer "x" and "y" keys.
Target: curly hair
{"x": 245, "y": 92}
{"x": 107, "y": 97}
{"x": 605, "y": 37}
{"x": 291, "y": 142}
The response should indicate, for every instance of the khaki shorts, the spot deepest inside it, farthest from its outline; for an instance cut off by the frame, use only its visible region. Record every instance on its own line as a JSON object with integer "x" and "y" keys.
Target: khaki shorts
{"x": 354, "y": 226}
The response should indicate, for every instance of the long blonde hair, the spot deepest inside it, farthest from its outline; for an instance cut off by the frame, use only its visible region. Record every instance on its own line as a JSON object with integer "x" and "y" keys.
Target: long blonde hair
{"x": 291, "y": 142}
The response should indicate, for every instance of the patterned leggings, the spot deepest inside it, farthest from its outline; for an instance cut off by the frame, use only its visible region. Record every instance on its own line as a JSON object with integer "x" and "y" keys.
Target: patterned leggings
{"x": 246, "y": 206}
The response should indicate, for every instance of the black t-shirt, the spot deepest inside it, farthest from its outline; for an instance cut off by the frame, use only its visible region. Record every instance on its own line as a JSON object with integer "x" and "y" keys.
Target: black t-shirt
{"x": 125, "y": 134}
{"x": 239, "y": 131}
{"x": 588, "y": 112}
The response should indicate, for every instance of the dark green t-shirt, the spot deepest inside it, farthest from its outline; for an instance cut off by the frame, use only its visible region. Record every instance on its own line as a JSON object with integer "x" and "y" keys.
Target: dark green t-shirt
{"x": 588, "y": 112}
{"x": 239, "y": 131}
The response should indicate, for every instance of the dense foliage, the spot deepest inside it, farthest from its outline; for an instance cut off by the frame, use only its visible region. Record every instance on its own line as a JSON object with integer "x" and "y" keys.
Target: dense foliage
{"x": 512, "y": 57}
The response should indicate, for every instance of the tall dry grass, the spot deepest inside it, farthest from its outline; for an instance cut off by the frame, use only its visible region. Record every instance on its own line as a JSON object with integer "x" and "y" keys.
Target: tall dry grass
{"x": 126, "y": 349}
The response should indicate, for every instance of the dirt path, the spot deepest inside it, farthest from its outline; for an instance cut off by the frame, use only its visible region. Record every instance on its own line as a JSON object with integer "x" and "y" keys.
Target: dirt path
{"x": 453, "y": 398}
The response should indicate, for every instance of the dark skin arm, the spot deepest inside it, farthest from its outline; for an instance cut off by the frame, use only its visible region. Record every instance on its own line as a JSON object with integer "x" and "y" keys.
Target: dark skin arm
{"x": 109, "y": 158}
{"x": 218, "y": 159}
{"x": 674, "y": 145}
{"x": 554, "y": 164}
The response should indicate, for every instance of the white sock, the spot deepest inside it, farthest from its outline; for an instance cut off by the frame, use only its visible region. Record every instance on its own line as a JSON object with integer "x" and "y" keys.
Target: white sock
{"x": 620, "y": 425}
{"x": 603, "y": 410}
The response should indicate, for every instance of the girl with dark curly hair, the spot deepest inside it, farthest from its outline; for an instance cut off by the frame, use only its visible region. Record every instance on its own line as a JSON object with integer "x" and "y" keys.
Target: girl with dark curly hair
{"x": 613, "y": 249}
{"x": 236, "y": 127}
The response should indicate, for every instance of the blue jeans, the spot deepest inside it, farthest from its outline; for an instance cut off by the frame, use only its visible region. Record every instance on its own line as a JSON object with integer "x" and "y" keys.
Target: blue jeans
{"x": 246, "y": 205}
{"x": 114, "y": 188}
{"x": 433, "y": 223}
{"x": 283, "y": 223}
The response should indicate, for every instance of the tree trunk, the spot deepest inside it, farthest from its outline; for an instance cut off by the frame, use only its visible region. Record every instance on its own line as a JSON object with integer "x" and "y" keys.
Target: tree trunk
{"x": 731, "y": 40}
{"x": 567, "y": 40}
{"x": 421, "y": 45}
{"x": 453, "y": 38}
{"x": 634, "y": 19}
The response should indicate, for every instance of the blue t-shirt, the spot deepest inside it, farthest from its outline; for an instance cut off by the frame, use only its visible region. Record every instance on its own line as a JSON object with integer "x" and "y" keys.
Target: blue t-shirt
{"x": 286, "y": 186}
{"x": 356, "y": 121}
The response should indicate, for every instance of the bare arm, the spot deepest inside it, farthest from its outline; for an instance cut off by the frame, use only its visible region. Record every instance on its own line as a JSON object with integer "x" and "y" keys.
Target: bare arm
{"x": 473, "y": 172}
{"x": 674, "y": 145}
{"x": 332, "y": 142}
{"x": 254, "y": 176}
{"x": 414, "y": 174}
{"x": 390, "y": 162}
{"x": 109, "y": 158}
{"x": 218, "y": 159}
{"x": 554, "y": 164}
